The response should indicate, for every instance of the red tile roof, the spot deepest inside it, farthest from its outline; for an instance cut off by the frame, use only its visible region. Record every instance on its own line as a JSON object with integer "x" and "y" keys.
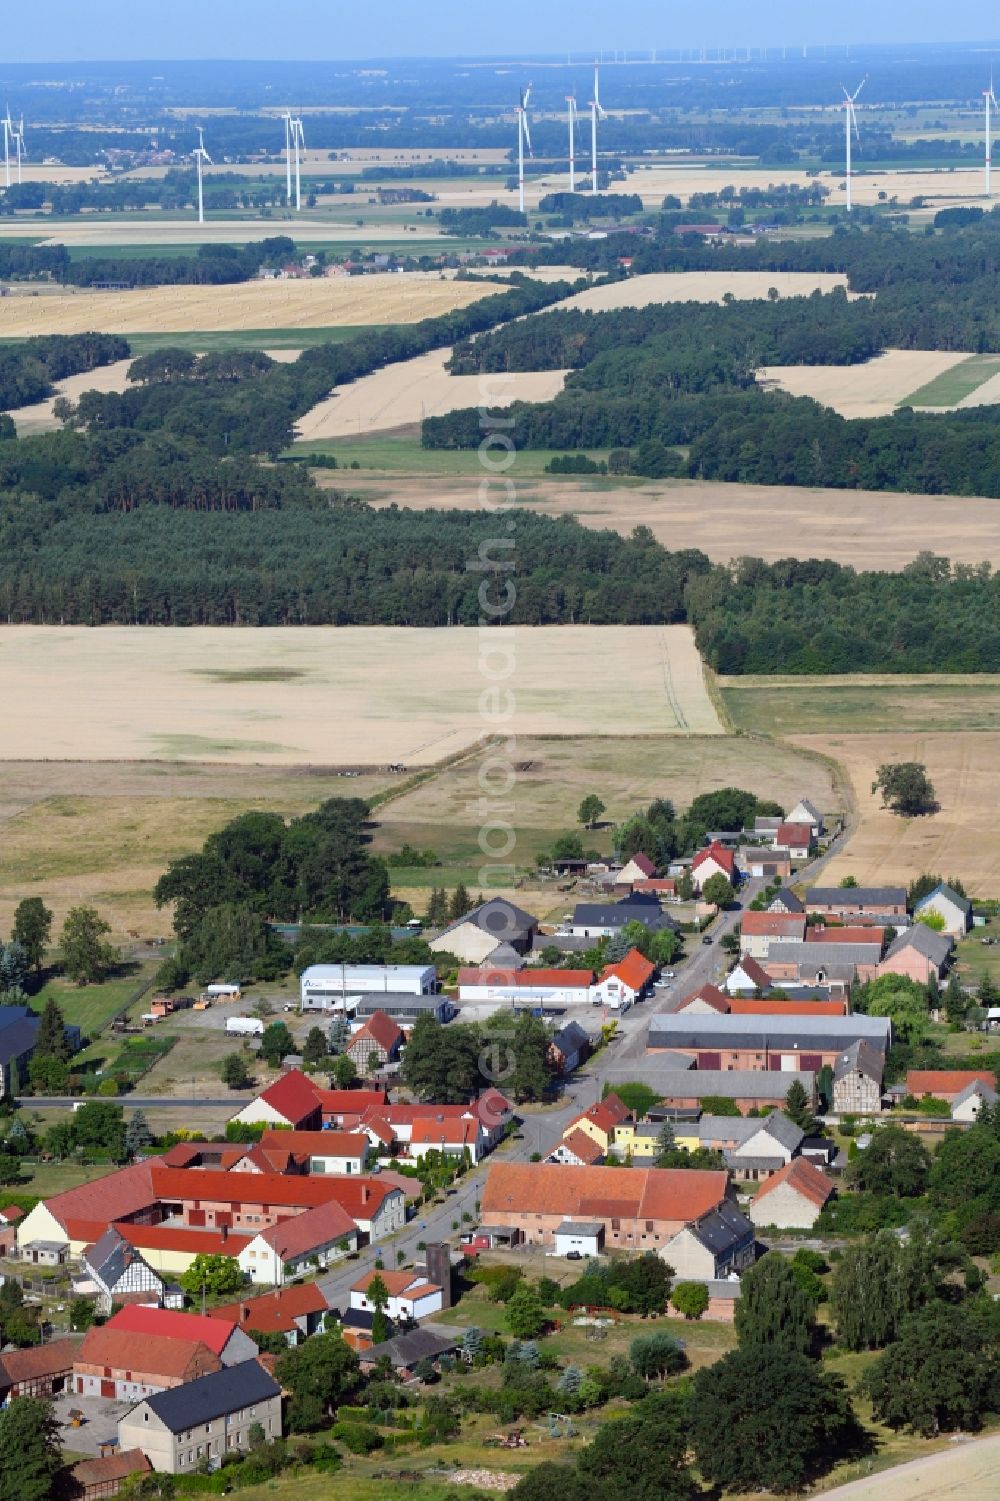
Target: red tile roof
{"x": 666, "y": 1194}
{"x": 755, "y": 973}
{"x": 604, "y": 1114}
{"x": 171, "y": 1324}
{"x": 748, "y": 1007}
{"x": 185, "y": 1185}
{"x": 644, "y": 863}
{"x": 794, "y": 835}
{"x": 350, "y": 1101}
{"x": 381, "y": 1030}
{"x": 178, "y": 1238}
{"x": 773, "y": 924}
{"x": 717, "y": 852}
{"x": 635, "y": 970}
{"x": 804, "y": 1177}
{"x": 565, "y": 979}
{"x": 112, "y": 1467}
{"x": 37, "y": 1362}
{"x": 308, "y": 1232}
{"x": 460, "y": 1133}
{"x": 945, "y": 1082}
{"x": 665, "y": 885}
{"x": 583, "y": 1146}
{"x": 840, "y": 934}
{"x": 274, "y": 1313}
{"x": 316, "y": 1143}
{"x": 105, "y": 1199}
{"x": 154, "y": 1355}
{"x": 293, "y": 1096}
{"x": 397, "y": 1284}
{"x": 711, "y": 995}
{"x": 11, "y": 1214}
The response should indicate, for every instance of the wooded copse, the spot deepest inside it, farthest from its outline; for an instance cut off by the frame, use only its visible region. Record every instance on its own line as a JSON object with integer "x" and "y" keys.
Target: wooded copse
{"x": 28, "y": 369}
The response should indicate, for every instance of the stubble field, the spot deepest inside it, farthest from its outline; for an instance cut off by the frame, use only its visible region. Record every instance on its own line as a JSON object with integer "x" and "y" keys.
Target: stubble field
{"x": 872, "y": 389}
{"x": 318, "y": 302}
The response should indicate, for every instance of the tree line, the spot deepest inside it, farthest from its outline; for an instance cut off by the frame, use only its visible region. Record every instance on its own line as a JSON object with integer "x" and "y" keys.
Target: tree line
{"x": 27, "y": 369}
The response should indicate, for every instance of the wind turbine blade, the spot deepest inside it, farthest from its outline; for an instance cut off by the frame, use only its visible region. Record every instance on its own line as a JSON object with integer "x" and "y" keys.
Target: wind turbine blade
{"x": 527, "y": 133}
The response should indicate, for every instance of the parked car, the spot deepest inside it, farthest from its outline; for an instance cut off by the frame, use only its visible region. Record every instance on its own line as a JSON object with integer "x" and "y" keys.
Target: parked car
{"x": 708, "y": 941}
{"x": 574, "y": 1255}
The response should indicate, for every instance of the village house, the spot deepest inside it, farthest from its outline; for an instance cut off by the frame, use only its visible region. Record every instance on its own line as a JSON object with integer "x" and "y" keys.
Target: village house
{"x": 747, "y": 977}
{"x": 576, "y": 1149}
{"x": 638, "y": 1208}
{"x": 944, "y": 902}
{"x": 857, "y": 1079}
{"x": 639, "y": 868}
{"x": 919, "y": 954}
{"x": 336, "y": 1152}
{"x": 849, "y": 903}
{"x": 822, "y": 961}
{"x": 530, "y": 987}
{"x": 621, "y": 984}
{"x": 459, "y": 1138}
{"x": 205, "y": 1419}
{"x": 796, "y": 838}
{"x": 951, "y": 1085}
{"x": 792, "y": 1198}
{"x": 411, "y": 1296}
{"x": 720, "y": 1243}
{"x": 116, "y": 1271}
{"x": 713, "y": 861}
{"x": 293, "y": 1100}
{"x": 752, "y": 1148}
{"x": 786, "y": 901}
{"x": 474, "y": 937}
{"x": 125, "y": 1366}
{"x": 606, "y": 919}
{"x": 570, "y": 1047}
{"x": 599, "y": 1120}
{"x": 296, "y": 1312}
{"x": 759, "y": 930}
{"x": 377, "y": 1042}
{"x": 763, "y": 863}
{"x": 307, "y": 1242}
{"x": 967, "y": 1106}
{"x": 405, "y": 1352}
{"x": 806, "y": 812}
{"x": 707, "y": 998}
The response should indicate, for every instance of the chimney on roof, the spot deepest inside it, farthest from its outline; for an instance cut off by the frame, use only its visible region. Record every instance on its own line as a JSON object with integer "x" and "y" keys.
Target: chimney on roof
{"x": 244, "y": 1312}
{"x": 365, "y": 1193}
{"x": 225, "y": 1232}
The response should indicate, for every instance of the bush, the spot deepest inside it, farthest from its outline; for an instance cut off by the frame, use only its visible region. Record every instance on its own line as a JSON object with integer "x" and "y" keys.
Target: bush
{"x": 359, "y": 1438}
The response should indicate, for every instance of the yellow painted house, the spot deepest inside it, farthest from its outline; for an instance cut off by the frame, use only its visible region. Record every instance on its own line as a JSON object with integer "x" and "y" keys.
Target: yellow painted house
{"x": 601, "y": 1121}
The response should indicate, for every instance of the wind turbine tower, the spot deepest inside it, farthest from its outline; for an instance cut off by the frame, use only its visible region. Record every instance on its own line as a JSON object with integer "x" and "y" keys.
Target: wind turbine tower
{"x": 287, "y": 117}
{"x": 991, "y": 104}
{"x": 572, "y": 118}
{"x": 201, "y": 156}
{"x": 19, "y": 137}
{"x": 596, "y": 113}
{"x": 8, "y": 140}
{"x": 851, "y": 123}
{"x": 523, "y": 139}
{"x": 299, "y": 142}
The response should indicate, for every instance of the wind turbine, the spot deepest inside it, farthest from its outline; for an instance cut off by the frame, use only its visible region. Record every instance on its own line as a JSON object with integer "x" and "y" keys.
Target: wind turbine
{"x": 523, "y": 139}
{"x": 851, "y": 121}
{"x": 201, "y": 156}
{"x": 9, "y": 134}
{"x": 299, "y": 142}
{"x": 287, "y": 117}
{"x": 572, "y": 117}
{"x": 19, "y": 139}
{"x": 991, "y": 100}
{"x": 596, "y": 113}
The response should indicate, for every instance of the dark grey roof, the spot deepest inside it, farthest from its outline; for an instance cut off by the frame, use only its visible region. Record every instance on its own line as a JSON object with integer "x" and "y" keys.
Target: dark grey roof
{"x": 579, "y": 1227}
{"x": 419, "y": 1344}
{"x": 110, "y": 1258}
{"x": 857, "y": 896}
{"x": 933, "y": 946}
{"x": 571, "y": 1038}
{"x": 18, "y": 1039}
{"x": 730, "y": 1084}
{"x": 859, "y": 1057}
{"x": 723, "y": 1229}
{"x": 740, "y": 1129}
{"x": 822, "y": 954}
{"x": 500, "y": 918}
{"x": 11, "y": 1014}
{"x": 617, "y": 914}
{"x": 235, "y": 1386}
{"x": 786, "y": 899}
{"x": 808, "y": 1033}
{"x": 757, "y": 1164}
{"x": 950, "y": 895}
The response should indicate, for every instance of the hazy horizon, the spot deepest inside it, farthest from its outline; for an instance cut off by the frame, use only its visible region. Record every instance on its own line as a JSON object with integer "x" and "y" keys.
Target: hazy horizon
{"x": 250, "y": 30}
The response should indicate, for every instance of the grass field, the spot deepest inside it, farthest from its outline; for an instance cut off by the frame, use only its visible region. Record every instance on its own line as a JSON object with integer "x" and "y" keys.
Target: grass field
{"x": 864, "y": 704}
{"x": 400, "y": 455}
{"x": 954, "y": 386}
{"x": 210, "y": 341}
{"x": 873, "y": 388}
{"x": 89, "y": 1007}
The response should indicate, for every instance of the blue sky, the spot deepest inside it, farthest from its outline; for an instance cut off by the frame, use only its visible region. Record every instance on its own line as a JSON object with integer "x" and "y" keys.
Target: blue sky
{"x": 69, "y": 30}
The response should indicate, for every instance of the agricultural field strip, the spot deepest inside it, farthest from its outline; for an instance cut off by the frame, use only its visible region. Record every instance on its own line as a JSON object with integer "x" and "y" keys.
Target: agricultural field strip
{"x": 872, "y": 389}
{"x": 973, "y": 381}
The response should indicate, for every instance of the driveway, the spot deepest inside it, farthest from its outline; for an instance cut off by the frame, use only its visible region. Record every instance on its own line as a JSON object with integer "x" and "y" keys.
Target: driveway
{"x": 100, "y": 1422}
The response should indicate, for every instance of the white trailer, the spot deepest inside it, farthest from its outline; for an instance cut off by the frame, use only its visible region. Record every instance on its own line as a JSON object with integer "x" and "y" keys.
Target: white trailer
{"x": 244, "y": 1026}
{"x": 223, "y": 992}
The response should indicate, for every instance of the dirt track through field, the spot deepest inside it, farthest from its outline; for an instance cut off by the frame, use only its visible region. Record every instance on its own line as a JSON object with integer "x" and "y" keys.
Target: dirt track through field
{"x": 327, "y": 696}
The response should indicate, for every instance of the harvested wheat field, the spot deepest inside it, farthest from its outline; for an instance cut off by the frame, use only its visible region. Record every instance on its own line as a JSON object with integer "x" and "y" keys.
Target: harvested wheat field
{"x": 155, "y": 229}
{"x": 872, "y": 389}
{"x": 413, "y": 389}
{"x": 107, "y": 378}
{"x": 328, "y": 696}
{"x": 887, "y": 849}
{"x": 965, "y": 1470}
{"x": 322, "y": 302}
{"x": 702, "y": 286}
{"x": 867, "y": 529}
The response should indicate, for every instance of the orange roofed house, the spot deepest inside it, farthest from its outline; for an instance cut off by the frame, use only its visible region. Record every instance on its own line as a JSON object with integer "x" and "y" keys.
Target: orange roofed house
{"x": 376, "y": 1043}
{"x": 639, "y": 1209}
{"x": 621, "y": 985}
{"x": 145, "y": 1350}
{"x": 715, "y": 860}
